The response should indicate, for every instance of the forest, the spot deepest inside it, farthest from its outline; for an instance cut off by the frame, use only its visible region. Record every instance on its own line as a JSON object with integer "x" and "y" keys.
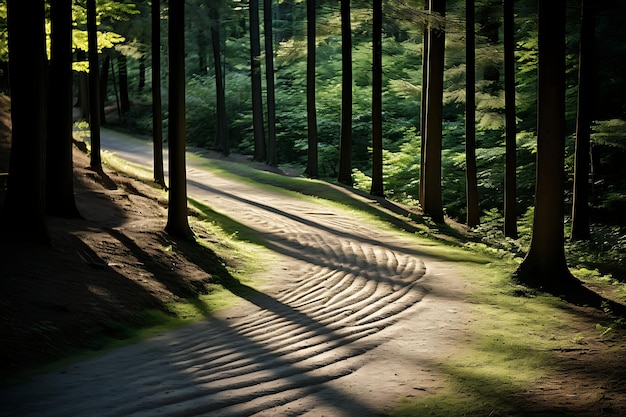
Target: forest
{"x": 498, "y": 123}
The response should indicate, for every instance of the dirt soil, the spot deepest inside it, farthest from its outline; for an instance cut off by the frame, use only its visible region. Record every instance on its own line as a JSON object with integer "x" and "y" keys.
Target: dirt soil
{"x": 351, "y": 321}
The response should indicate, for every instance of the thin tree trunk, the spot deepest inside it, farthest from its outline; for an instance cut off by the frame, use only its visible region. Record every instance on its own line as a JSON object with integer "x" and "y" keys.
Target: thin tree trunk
{"x": 260, "y": 153}
{"x": 122, "y": 70}
{"x": 582, "y": 158}
{"x": 177, "y": 223}
{"x": 377, "y": 101}
{"x": 157, "y": 113}
{"x": 345, "y": 140}
{"x": 272, "y": 154}
{"x": 104, "y": 80}
{"x": 60, "y": 199}
{"x": 94, "y": 87}
{"x": 312, "y": 155}
{"x": 221, "y": 134}
{"x": 510, "y": 176}
{"x": 471, "y": 184}
{"x": 424, "y": 105}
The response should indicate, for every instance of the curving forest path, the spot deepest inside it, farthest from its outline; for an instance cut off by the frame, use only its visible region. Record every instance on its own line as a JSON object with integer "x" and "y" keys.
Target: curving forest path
{"x": 349, "y": 320}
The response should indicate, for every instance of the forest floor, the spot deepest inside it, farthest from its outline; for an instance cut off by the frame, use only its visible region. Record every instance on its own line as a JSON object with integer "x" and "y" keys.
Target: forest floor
{"x": 346, "y": 319}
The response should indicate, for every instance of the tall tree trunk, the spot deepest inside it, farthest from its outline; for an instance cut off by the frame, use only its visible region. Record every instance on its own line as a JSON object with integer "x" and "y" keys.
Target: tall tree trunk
{"x": 83, "y": 88}
{"x": 94, "y": 86}
{"x": 59, "y": 165}
{"x": 432, "y": 204}
{"x": 272, "y": 153}
{"x": 142, "y": 72}
{"x": 104, "y": 81}
{"x": 377, "y": 100}
{"x": 345, "y": 140}
{"x": 424, "y": 104}
{"x": 582, "y": 158}
{"x": 177, "y": 223}
{"x": 221, "y": 134}
{"x": 123, "y": 80}
{"x": 312, "y": 155}
{"x": 157, "y": 111}
{"x": 510, "y": 176}
{"x": 471, "y": 183}
{"x": 260, "y": 152}
{"x": 545, "y": 263}
{"x": 24, "y": 208}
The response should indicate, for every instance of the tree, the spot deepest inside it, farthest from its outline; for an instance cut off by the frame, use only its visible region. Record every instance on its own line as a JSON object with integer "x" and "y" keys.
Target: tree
{"x": 157, "y": 113}
{"x": 260, "y": 153}
{"x": 221, "y": 134}
{"x": 59, "y": 166}
{"x": 345, "y": 140}
{"x": 377, "y": 100}
{"x": 24, "y": 207}
{"x": 312, "y": 157}
{"x": 545, "y": 264}
{"x": 424, "y": 103}
{"x": 177, "y": 223}
{"x": 122, "y": 71}
{"x": 432, "y": 203}
{"x": 471, "y": 184}
{"x": 94, "y": 87}
{"x": 272, "y": 157}
{"x": 580, "y": 205}
{"x": 510, "y": 175}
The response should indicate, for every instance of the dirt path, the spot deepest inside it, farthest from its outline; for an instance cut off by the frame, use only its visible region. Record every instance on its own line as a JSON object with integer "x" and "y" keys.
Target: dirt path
{"x": 352, "y": 319}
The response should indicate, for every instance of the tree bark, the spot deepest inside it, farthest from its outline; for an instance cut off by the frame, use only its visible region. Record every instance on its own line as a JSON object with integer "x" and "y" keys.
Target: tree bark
{"x": 471, "y": 183}
{"x": 582, "y": 158}
{"x": 94, "y": 87}
{"x": 377, "y": 101}
{"x": 260, "y": 153}
{"x": 157, "y": 113}
{"x": 510, "y": 175}
{"x": 424, "y": 105}
{"x": 122, "y": 70}
{"x": 24, "y": 207}
{"x": 312, "y": 154}
{"x": 272, "y": 153}
{"x": 177, "y": 223}
{"x": 221, "y": 134}
{"x": 345, "y": 140}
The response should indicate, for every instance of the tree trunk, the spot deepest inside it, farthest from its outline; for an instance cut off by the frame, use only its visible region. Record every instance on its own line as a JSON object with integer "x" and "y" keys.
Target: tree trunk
{"x": 432, "y": 203}
{"x": 24, "y": 208}
{"x": 260, "y": 153}
{"x": 510, "y": 176}
{"x": 59, "y": 165}
{"x": 123, "y": 80}
{"x": 157, "y": 113}
{"x": 142, "y": 73}
{"x": 221, "y": 134}
{"x": 377, "y": 101}
{"x": 83, "y": 88}
{"x": 545, "y": 264}
{"x": 345, "y": 140}
{"x": 424, "y": 105}
{"x": 582, "y": 158}
{"x": 94, "y": 87}
{"x": 312, "y": 155}
{"x": 104, "y": 80}
{"x": 471, "y": 183}
{"x": 272, "y": 154}
{"x": 177, "y": 223}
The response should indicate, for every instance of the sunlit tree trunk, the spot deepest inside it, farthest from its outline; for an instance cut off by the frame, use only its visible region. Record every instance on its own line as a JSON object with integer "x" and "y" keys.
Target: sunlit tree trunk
{"x": 312, "y": 157}
{"x": 377, "y": 101}
{"x": 471, "y": 185}
{"x": 545, "y": 263}
{"x": 432, "y": 203}
{"x": 510, "y": 176}
{"x": 59, "y": 165}
{"x": 177, "y": 223}
{"x": 272, "y": 153}
{"x": 582, "y": 159}
{"x": 94, "y": 87}
{"x": 345, "y": 140}
{"x": 157, "y": 111}
{"x": 260, "y": 153}
{"x": 23, "y": 214}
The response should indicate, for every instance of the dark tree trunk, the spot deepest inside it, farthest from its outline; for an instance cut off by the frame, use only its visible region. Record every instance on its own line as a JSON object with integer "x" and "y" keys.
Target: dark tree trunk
{"x": 272, "y": 154}
{"x": 471, "y": 183}
{"x": 94, "y": 86}
{"x": 59, "y": 165}
{"x": 377, "y": 100}
{"x": 83, "y": 89}
{"x": 142, "y": 73}
{"x": 345, "y": 140}
{"x": 582, "y": 158}
{"x": 424, "y": 105}
{"x": 545, "y": 264}
{"x": 24, "y": 208}
{"x": 104, "y": 81}
{"x": 260, "y": 152}
{"x": 123, "y": 83}
{"x": 510, "y": 176}
{"x": 221, "y": 134}
{"x": 312, "y": 156}
{"x": 177, "y": 223}
{"x": 157, "y": 113}
{"x": 432, "y": 203}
